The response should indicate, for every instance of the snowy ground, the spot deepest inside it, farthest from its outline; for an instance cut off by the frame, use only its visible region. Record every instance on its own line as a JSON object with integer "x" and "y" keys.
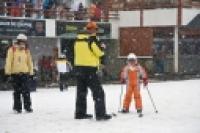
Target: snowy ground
{"x": 178, "y": 104}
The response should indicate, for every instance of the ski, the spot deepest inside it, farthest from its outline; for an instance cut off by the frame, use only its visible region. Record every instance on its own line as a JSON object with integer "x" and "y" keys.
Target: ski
{"x": 114, "y": 114}
{"x": 140, "y": 115}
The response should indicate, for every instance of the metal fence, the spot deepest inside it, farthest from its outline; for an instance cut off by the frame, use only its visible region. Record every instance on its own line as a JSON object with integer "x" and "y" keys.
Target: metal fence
{"x": 58, "y": 12}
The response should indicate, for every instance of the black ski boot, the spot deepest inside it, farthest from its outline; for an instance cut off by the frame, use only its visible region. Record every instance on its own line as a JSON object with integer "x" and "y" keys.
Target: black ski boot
{"x": 85, "y": 116}
{"x": 17, "y": 111}
{"x": 29, "y": 110}
{"x": 104, "y": 117}
{"x": 124, "y": 111}
{"x": 139, "y": 112}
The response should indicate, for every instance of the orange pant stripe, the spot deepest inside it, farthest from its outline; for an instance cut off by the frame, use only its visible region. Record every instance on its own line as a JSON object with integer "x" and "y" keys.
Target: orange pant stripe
{"x": 132, "y": 90}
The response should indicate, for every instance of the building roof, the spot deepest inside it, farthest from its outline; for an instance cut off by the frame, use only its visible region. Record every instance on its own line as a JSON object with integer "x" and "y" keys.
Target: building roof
{"x": 195, "y": 23}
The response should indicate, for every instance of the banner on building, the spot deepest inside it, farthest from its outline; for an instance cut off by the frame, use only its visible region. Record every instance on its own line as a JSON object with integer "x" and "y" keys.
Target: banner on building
{"x": 71, "y": 29}
{"x": 12, "y": 27}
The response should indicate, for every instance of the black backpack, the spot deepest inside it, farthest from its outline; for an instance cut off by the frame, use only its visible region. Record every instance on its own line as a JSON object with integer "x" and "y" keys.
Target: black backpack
{"x": 68, "y": 49}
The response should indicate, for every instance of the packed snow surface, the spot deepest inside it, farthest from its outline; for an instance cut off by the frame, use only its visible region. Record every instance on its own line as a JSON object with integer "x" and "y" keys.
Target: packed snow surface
{"x": 178, "y": 103}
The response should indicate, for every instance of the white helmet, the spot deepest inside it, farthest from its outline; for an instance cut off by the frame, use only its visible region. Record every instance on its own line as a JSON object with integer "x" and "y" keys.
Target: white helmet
{"x": 21, "y": 37}
{"x": 132, "y": 56}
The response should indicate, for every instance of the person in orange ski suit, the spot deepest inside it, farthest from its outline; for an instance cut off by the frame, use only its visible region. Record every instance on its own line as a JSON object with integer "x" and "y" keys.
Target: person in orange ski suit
{"x": 132, "y": 74}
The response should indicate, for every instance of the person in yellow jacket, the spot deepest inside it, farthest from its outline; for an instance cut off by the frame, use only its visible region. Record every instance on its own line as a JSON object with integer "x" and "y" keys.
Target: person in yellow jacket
{"x": 87, "y": 54}
{"x": 19, "y": 67}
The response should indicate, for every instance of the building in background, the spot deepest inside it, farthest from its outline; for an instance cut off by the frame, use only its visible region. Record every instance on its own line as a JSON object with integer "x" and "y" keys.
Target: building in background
{"x": 138, "y": 26}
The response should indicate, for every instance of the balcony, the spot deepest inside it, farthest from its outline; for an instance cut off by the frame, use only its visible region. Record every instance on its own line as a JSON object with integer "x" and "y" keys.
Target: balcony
{"x": 27, "y": 10}
{"x": 149, "y": 4}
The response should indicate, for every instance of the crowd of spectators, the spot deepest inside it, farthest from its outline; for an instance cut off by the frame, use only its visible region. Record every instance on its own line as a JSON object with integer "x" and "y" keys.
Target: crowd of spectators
{"x": 190, "y": 47}
{"x": 47, "y": 69}
{"x": 55, "y": 9}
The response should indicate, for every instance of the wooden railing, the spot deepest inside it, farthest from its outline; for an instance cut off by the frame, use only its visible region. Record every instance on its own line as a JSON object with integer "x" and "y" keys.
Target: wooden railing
{"x": 148, "y": 4}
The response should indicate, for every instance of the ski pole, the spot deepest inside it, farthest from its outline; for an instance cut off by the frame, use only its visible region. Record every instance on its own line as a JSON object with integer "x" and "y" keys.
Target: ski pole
{"x": 120, "y": 98}
{"x": 154, "y": 106}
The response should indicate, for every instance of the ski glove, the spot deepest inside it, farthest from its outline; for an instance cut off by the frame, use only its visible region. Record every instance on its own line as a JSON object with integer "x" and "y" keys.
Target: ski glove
{"x": 32, "y": 77}
{"x": 9, "y": 79}
{"x": 145, "y": 81}
{"x": 122, "y": 81}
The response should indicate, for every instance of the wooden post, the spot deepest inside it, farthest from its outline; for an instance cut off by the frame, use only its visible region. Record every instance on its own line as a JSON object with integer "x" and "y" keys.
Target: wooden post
{"x": 142, "y": 13}
{"x": 176, "y": 35}
{"x": 180, "y": 12}
{"x": 106, "y": 4}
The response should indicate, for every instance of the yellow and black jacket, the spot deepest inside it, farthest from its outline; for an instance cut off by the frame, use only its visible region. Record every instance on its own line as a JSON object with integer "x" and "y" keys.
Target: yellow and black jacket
{"x": 86, "y": 54}
{"x": 18, "y": 61}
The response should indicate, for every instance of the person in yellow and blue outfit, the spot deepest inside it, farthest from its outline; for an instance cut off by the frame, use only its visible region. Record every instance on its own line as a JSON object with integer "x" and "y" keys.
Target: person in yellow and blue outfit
{"x": 19, "y": 68}
{"x": 87, "y": 55}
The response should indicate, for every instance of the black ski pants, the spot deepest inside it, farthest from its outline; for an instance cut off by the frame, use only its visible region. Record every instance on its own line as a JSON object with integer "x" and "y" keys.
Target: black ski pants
{"x": 20, "y": 85}
{"x": 87, "y": 77}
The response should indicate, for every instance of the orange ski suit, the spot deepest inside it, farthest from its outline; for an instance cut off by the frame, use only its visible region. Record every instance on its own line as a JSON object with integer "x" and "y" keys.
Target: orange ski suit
{"x": 133, "y": 74}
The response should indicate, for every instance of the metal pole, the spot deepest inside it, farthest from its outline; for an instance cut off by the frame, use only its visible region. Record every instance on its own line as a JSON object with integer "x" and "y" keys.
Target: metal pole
{"x": 176, "y": 49}
{"x": 154, "y": 106}
{"x": 5, "y": 9}
{"x": 120, "y": 98}
{"x": 23, "y": 9}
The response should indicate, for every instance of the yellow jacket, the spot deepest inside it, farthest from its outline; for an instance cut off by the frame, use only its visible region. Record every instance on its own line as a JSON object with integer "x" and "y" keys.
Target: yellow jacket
{"x": 18, "y": 61}
{"x": 84, "y": 56}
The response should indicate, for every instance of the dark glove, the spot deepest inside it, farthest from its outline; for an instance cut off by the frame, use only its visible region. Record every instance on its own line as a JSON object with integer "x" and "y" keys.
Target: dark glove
{"x": 145, "y": 81}
{"x": 102, "y": 60}
{"x": 34, "y": 77}
{"x": 9, "y": 79}
{"x": 122, "y": 81}
{"x": 31, "y": 77}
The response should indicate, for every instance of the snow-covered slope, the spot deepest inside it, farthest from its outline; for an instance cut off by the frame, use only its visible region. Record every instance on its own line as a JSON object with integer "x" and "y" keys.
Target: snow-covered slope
{"x": 178, "y": 104}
